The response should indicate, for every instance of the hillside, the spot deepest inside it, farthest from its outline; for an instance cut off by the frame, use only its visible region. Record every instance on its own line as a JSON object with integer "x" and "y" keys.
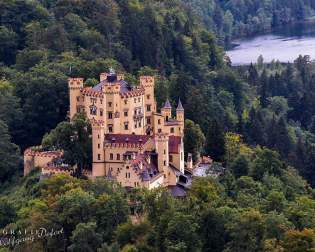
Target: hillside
{"x": 257, "y": 121}
{"x": 229, "y": 19}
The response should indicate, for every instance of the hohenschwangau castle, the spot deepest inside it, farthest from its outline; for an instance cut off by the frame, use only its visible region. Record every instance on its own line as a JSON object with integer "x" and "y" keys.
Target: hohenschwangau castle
{"x": 132, "y": 142}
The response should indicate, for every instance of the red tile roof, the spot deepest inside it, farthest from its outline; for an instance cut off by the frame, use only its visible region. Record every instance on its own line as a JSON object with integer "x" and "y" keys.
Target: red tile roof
{"x": 127, "y": 138}
{"x": 173, "y": 144}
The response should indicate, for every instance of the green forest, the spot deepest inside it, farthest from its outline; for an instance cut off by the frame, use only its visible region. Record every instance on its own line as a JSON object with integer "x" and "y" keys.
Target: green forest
{"x": 257, "y": 121}
{"x": 237, "y": 18}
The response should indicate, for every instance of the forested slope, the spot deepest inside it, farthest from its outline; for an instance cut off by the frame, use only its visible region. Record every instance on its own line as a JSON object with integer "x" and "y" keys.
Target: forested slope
{"x": 236, "y": 18}
{"x": 261, "y": 203}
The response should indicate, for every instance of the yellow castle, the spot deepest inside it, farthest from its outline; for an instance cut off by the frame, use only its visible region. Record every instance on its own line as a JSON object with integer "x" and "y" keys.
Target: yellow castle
{"x": 132, "y": 143}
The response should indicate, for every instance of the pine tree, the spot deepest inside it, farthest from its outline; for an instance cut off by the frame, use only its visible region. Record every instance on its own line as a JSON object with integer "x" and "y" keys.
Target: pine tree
{"x": 215, "y": 142}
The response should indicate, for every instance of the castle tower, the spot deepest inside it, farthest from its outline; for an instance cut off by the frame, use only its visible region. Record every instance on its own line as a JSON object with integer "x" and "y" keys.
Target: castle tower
{"x": 98, "y": 135}
{"x": 112, "y": 93}
{"x": 180, "y": 112}
{"x": 166, "y": 111}
{"x": 180, "y": 117}
{"x": 161, "y": 146}
{"x": 147, "y": 82}
{"x": 74, "y": 85}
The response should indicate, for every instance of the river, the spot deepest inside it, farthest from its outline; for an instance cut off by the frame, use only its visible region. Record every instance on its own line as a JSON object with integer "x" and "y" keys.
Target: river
{"x": 284, "y": 44}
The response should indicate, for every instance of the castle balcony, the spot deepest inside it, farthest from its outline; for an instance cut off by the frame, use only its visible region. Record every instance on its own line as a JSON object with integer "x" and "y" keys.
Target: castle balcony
{"x": 138, "y": 116}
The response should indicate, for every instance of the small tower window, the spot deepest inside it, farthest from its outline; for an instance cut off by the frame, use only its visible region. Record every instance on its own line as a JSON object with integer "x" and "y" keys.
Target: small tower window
{"x": 111, "y": 156}
{"x": 148, "y": 96}
{"x": 159, "y": 121}
{"x": 172, "y": 130}
{"x": 110, "y": 115}
{"x": 98, "y": 156}
{"x": 148, "y": 108}
{"x": 110, "y": 128}
{"x": 109, "y": 104}
{"x": 118, "y": 157}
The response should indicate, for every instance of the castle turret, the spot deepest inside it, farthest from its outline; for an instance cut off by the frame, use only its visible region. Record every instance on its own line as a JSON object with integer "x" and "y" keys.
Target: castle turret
{"x": 180, "y": 112}
{"x": 98, "y": 135}
{"x": 166, "y": 111}
{"x": 75, "y": 85}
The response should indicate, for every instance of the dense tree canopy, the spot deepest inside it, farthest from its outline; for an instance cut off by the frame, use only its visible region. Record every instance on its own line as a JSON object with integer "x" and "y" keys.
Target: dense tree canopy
{"x": 257, "y": 120}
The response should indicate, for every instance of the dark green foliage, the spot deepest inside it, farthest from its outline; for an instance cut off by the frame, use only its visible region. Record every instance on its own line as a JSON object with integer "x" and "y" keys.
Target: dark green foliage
{"x": 9, "y": 155}
{"x": 74, "y": 139}
{"x": 228, "y": 19}
{"x": 240, "y": 166}
{"x": 215, "y": 141}
{"x": 194, "y": 139}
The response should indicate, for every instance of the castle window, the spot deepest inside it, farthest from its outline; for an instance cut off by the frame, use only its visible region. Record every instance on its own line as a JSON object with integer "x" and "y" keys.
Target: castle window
{"x": 110, "y": 128}
{"x": 159, "y": 130}
{"x": 172, "y": 130}
{"x": 139, "y": 99}
{"x": 78, "y": 109}
{"x": 98, "y": 136}
{"x": 159, "y": 121}
{"x": 98, "y": 156}
{"x": 164, "y": 163}
{"x": 101, "y": 100}
{"x": 148, "y": 96}
{"x": 135, "y": 125}
{"x": 109, "y": 104}
{"x": 78, "y": 98}
{"x": 126, "y": 125}
{"x": 126, "y": 113}
{"x": 110, "y": 115}
{"x": 111, "y": 156}
{"x": 148, "y": 108}
{"x": 135, "y": 100}
{"x": 164, "y": 151}
{"x": 118, "y": 157}
{"x": 101, "y": 112}
{"x": 127, "y": 167}
{"x": 93, "y": 110}
{"x": 171, "y": 158}
{"x": 98, "y": 146}
{"x": 148, "y": 120}
{"x": 139, "y": 123}
{"x": 126, "y": 101}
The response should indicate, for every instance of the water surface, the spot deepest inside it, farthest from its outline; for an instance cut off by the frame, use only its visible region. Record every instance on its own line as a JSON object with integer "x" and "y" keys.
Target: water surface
{"x": 284, "y": 44}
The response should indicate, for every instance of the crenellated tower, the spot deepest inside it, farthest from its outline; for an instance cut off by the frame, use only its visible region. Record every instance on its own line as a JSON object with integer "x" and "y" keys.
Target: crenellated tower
{"x": 148, "y": 83}
{"x": 75, "y": 85}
